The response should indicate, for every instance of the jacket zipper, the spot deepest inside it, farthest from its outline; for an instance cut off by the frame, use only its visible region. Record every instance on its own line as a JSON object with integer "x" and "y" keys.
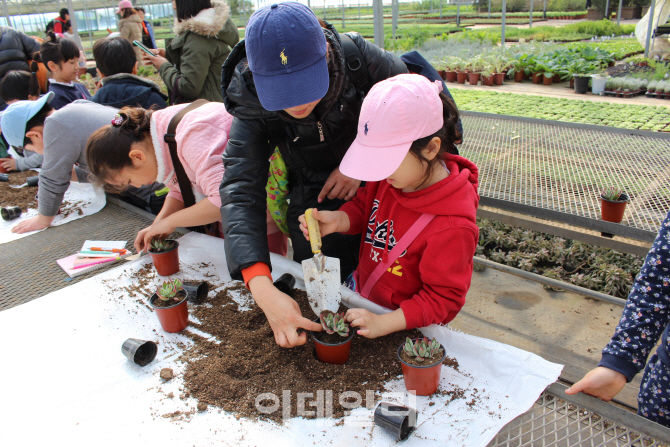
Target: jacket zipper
{"x": 321, "y": 137}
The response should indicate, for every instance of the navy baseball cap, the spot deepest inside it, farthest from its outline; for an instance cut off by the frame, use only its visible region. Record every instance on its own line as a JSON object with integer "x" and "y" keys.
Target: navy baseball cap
{"x": 286, "y": 51}
{"x": 16, "y": 116}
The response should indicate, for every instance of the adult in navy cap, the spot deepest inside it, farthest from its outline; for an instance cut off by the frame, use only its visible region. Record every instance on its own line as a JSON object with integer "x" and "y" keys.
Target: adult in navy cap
{"x": 287, "y": 86}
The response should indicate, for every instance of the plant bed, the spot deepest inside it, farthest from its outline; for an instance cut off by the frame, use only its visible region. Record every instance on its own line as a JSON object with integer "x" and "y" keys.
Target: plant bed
{"x": 21, "y": 197}
{"x": 599, "y": 269}
{"x": 165, "y": 256}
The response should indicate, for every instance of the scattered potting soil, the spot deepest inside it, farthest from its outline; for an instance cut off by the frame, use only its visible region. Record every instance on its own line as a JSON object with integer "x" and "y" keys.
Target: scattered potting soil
{"x": 167, "y": 374}
{"x": 68, "y": 208}
{"x": 23, "y": 197}
{"x": 244, "y": 361}
{"x": 451, "y": 363}
{"x": 425, "y": 362}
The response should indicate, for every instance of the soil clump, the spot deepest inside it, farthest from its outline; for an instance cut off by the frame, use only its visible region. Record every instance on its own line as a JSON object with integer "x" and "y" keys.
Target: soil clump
{"x": 167, "y": 374}
{"x": 244, "y": 361}
{"x": 22, "y": 197}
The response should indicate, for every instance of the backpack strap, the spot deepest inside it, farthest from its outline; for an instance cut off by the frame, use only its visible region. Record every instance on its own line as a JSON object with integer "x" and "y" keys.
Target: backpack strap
{"x": 399, "y": 248}
{"x": 356, "y": 68}
{"x": 170, "y": 139}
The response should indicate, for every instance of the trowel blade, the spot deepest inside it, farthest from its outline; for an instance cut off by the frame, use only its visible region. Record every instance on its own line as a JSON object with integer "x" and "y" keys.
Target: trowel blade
{"x": 323, "y": 289}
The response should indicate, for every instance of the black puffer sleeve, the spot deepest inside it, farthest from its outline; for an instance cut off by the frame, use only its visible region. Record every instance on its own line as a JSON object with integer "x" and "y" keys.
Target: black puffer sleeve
{"x": 243, "y": 196}
{"x": 380, "y": 63}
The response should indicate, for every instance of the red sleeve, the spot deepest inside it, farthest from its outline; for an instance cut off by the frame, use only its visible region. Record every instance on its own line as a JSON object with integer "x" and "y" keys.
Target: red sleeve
{"x": 446, "y": 273}
{"x": 355, "y": 209}
{"x": 258, "y": 269}
{"x": 58, "y": 27}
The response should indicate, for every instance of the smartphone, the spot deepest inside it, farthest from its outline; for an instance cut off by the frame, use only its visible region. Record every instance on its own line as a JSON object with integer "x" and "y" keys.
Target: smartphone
{"x": 142, "y": 47}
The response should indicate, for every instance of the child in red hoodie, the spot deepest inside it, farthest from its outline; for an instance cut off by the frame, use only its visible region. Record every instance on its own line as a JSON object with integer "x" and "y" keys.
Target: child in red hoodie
{"x": 418, "y": 197}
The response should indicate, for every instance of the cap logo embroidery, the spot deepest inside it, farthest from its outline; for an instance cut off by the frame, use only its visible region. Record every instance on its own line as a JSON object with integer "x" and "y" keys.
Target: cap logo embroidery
{"x": 366, "y": 128}
{"x": 284, "y": 59}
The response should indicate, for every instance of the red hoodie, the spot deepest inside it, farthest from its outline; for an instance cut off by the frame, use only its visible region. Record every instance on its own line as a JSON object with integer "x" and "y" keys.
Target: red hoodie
{"x": 430, "y": 280}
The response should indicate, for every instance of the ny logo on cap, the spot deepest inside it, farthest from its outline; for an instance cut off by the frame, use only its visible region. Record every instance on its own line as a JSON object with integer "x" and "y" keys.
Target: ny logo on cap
{"x": 366, "y": 128}
{"x": 284, "y": 59}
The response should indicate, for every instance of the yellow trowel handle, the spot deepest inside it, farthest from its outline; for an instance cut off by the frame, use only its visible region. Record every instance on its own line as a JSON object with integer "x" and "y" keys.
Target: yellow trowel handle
{"x": 314, "y": 231}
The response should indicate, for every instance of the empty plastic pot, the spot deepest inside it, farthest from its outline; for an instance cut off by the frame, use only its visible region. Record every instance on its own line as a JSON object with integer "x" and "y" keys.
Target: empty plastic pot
{"x": 140, "y": 352}
{"x": 398, "y": 420}
{"x": 10, "y": 213}
{"x": 196, "y": 292}
{"x": 598, "y": 84}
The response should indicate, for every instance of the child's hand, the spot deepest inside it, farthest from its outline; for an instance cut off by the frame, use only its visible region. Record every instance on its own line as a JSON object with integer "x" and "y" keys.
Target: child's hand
{"x": 372, "y": 325}
{"x": 8, "y": 163}
{"x": 600, "y": 382}
{"x": 329, "y": 222}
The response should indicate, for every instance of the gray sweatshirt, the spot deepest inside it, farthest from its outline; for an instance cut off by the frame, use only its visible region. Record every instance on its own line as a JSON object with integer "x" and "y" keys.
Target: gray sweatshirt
{"x": 65, "y": 135}
{"x": 29, "y": 160}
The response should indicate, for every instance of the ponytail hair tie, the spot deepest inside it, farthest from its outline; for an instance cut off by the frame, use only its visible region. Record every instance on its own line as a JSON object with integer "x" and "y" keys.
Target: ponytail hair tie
{"x": 33, "y": 72}
{"x": 118, "y": 120}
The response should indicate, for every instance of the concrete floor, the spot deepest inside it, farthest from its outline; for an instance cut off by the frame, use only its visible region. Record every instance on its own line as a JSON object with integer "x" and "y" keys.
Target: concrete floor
{"x": 561, "y": 327}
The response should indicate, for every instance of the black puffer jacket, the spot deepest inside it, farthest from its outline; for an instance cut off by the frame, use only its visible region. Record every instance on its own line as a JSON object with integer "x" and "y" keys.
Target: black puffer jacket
{"x": 15, "y": 50}
{"x": 311, "y": 147}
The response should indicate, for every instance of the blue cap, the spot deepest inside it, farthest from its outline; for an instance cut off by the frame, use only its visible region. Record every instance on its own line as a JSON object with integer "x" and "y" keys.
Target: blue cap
{"x": 286, "y": 51}
{"x": 16, "y": 116}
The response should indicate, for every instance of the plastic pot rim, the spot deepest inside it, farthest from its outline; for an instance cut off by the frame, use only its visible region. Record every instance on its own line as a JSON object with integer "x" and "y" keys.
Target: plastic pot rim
{"x": 346, "y": 340}
{"x": 164, "y": 252}
{"x": 444, "y": 355}
{"x": 155, "y": 296}
{"x": 616, "y": 201}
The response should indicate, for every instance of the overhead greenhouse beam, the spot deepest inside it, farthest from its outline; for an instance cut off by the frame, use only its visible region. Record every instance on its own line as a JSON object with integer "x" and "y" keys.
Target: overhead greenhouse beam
{"x": 16, "y": 7}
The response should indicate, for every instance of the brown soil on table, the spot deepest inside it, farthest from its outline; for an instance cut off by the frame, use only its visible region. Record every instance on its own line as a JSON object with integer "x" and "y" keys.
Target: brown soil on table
{"x": 248, "y": 362}
{"x": 23, "y": 197}
{"x": 426, "y": 361}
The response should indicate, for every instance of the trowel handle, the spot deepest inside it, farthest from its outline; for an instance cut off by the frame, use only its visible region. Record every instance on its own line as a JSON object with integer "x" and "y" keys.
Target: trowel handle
{"x": 314, "y": 231}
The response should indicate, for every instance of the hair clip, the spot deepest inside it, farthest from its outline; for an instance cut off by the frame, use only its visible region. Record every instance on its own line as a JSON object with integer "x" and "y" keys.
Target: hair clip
{"x": 438, "y": 84}
{"x": 118, "y": 120}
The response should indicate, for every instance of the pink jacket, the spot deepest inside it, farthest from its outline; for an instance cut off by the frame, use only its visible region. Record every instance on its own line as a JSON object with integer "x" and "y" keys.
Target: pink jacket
{"x": 201, "y": 139}
{"x": 202, "y": 136}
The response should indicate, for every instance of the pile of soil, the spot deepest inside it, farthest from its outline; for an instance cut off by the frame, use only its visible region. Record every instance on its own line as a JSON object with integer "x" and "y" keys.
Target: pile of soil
{"x": 248, "y": 361}
{"x": 23, "y": 197}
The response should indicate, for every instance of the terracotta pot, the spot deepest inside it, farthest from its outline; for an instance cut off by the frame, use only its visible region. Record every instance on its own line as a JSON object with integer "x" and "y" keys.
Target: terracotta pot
{"x": 337, "y": 354}
{"x": 421, "y": 380}
{"x": 537, "y": 78}
{"x": 498, "y": 78}
{"x": 3, "y": 170}
{"x": 451, "y": 76}
{"x": 173, "y": 318}
{"x": 572, "y": 82}
{"x": 557, "y": 78}
{"x": 461, "y": 76}
{"x": 442, "y": 73}
{"x": 547, "y": 80}
{"x": 473, "y": 78}
{"x": 166, "y": 262}
{"x": 612, "y": 211}
{"x": 487, "y": 80}
{"x": 611, "y": 64}
{"x": 518, "y": 76}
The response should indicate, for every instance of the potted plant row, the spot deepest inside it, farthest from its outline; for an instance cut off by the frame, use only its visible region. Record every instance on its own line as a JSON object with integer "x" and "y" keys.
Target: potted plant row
{"x": 659, "y": 89}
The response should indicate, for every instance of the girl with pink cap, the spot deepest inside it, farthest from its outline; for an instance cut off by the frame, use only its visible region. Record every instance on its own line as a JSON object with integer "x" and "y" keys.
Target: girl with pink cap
{"x": 417, "y": 212}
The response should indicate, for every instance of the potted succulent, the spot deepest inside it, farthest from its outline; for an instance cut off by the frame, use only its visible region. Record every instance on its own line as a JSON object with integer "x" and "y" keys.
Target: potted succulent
{"x": 613, "y": 204}
{"x": 421, "y": 361}
{"x": 169, "y": 302}
{"x": 165, "y": 255}
{"x": 333, "y": 344}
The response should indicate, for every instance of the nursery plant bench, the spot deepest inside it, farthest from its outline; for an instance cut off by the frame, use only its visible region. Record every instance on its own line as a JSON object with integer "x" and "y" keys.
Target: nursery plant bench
{"x": 555, "y": 170}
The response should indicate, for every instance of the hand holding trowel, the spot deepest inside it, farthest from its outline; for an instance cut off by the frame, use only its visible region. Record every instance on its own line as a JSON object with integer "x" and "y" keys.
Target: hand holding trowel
{"x": 322, "y": 274}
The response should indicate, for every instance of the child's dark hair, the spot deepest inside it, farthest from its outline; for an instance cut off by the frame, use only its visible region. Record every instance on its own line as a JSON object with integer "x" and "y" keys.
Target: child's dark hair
{"x": 108, "y": 148}
{"x": 63, "y": 12}
{"x": 15, "y": 85}
{"x": 139, "y": 8}
{"x": 190, "y": 8}
{"x": 114, "y": 56}
{"x": 55, "y": 50}
{"x": 66, "y": 26}
{"x": 127, "y": 12}
{"x": 37, "y": 120}
{"x": 448, "y": 134}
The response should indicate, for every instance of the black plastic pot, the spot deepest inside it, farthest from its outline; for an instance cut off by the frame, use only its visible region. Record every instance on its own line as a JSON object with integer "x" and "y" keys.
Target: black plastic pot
{"x": 285, "y": 283}
{"x": 398, "y": 420}
{"x": 196, "y": 292}
{"x": 140, "y": 352}
{"x": 33, "y": 181}
{"x": 4, "y": 177}
{"x": 10, "y": 213}
{"x": 582, "y": 84}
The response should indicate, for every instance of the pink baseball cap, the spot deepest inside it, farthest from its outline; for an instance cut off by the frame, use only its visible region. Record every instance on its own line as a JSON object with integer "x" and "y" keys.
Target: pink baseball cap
{"x": 395, "y": 113}
{"x": 123, "y": 4}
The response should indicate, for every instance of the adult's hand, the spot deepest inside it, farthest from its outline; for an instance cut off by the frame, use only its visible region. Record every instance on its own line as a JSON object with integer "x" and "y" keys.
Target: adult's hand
{"x": 601, "y": 382}
{"x": 157, "y": 61}
{"x": 161, "y": 227}
{"x": 36, "y": 223}
{"x": 339, "y": 186}
{"x": 8, "y": 163}
{"x": 282, "y": 312}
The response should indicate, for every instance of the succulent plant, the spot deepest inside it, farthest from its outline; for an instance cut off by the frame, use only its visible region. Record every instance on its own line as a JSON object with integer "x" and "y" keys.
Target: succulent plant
{"x": 169, "y": 289}
{"x": 421, "y": 348}
{"x": 611, "y": 193}
{"x": 160, "y": 244}
{"x": 334, "y": 323}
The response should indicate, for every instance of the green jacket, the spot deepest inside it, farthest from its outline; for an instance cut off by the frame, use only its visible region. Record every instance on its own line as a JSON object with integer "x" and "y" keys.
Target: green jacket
{"x": 196, "y": 54}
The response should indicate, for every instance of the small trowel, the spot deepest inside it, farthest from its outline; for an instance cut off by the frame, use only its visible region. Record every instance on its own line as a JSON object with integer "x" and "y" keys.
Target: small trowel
{"x": 322, "y": 274}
